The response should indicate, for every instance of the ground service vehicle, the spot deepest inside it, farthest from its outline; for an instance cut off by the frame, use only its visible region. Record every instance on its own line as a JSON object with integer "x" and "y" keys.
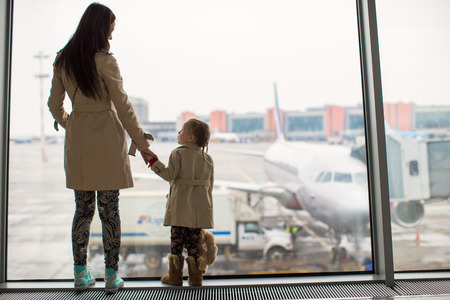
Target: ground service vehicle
{"x": 237, "y": 228}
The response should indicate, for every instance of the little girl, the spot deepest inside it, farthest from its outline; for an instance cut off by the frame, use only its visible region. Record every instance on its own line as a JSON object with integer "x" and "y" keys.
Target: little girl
{"x": 190, "y": 205}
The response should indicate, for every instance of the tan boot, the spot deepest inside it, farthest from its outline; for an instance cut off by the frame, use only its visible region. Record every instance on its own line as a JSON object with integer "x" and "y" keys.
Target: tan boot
{"x": 175, "y": 276}
{"x": 195, "y": 274}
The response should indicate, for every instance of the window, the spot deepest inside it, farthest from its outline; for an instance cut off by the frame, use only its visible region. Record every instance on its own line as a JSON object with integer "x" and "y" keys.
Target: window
{"x": 319, "y": 177}
{"x": 342, "y": 177}
{"x": 414, "y": 47}
{"x": 225, "y": 57}
{"x": 360, "y": 178}
{"x": 305, "y": 123}
{"x": 433, "y": 119}
{"x": 252, "y": 228}
{"x": 414, "y": 168}
{"x": 356, "y": 121}
{"x": 249, "y": 124}
{"x": 326, "y": 177}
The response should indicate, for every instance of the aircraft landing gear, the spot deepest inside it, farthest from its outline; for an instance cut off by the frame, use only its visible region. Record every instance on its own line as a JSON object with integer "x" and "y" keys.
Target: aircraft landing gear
{"x": 338, "y": 254}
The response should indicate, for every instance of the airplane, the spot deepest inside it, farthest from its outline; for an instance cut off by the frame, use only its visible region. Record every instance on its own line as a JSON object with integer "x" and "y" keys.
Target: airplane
{"x": 324, "y": 180}
{"x": 329, "y": 181}
{"x": 228, "y": 137}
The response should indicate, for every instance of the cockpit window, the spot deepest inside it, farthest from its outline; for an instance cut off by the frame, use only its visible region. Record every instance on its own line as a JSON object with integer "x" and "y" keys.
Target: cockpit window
{"x": 360, "y": 178}
{"x": 342, "y": 177}
{"x": 320, "y": 176}
{"x": 326, "y": 177}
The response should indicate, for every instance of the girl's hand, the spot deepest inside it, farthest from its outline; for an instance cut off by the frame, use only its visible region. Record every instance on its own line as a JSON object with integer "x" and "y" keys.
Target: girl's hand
{"x": 147, "y": 155}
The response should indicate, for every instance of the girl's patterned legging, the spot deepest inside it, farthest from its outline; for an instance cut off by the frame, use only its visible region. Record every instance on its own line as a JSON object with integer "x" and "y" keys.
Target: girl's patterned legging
{"x": 108, "y": 208}
{"x": 184, "y": 237}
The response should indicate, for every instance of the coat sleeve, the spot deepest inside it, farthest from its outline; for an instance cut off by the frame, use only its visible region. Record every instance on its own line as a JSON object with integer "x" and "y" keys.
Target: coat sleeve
{"x": 56, "y": 99}
{"x": 211, "y": 186}
{"x": 114, "y": 83}
{"x": 211, "y": 179}
{"x": 170, "y": 172}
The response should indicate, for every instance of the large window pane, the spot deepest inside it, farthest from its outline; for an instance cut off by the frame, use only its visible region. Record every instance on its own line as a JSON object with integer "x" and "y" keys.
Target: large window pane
{"x": 299, "y": 206}
{"x": 414, "y": 47}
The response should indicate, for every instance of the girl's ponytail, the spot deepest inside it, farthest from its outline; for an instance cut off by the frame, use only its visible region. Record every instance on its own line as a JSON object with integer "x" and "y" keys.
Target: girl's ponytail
{"x": 202, "y": 134}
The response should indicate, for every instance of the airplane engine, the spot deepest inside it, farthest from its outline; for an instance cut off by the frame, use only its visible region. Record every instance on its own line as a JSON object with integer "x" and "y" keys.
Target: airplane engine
{"x": 408, "y": 214}
{"x": 291, "y": 201}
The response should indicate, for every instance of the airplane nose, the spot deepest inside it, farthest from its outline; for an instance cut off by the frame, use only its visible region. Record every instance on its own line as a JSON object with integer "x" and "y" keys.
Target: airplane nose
{"x": 355, "y": 213}
{"x": 355, "y": 203}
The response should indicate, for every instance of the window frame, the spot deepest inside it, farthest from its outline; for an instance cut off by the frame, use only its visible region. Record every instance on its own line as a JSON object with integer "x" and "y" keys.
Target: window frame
{"x": 6, "y": 7}
{"x": 375, "y": 142}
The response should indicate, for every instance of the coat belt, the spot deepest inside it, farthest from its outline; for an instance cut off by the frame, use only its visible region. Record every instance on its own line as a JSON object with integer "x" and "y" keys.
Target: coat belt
{"x": 192, "y": 181}
{"x": 96, "y": 107}
{"x": 133, "y": 146}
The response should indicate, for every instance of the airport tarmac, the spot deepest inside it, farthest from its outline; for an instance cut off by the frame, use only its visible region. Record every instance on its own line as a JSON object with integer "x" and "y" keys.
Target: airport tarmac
{"x": 41, "y": 211}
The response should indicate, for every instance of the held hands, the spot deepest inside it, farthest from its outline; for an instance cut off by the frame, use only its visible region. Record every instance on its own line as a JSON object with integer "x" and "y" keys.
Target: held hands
{"x": 148, "y": 155}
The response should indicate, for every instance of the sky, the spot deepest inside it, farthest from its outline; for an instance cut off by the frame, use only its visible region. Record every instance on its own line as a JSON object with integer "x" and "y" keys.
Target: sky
{"x": 204, "y": 55}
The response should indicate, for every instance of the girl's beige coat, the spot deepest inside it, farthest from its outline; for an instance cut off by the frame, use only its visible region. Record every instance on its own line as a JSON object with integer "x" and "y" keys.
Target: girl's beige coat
{"x": 95, "y": 150}
{"x": 191, "y": 178}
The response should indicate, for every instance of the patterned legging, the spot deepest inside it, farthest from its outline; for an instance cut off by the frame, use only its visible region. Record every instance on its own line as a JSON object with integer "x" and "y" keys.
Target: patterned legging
{"x": 108, "y": 208}
{"x": 184, "y": 237}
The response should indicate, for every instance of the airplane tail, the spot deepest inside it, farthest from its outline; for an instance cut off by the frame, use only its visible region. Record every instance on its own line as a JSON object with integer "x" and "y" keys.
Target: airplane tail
{"x": 280, "y": 132}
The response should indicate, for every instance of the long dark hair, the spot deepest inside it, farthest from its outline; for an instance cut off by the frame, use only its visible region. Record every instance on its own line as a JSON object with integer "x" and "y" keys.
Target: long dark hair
{"x": 77, "y": 57}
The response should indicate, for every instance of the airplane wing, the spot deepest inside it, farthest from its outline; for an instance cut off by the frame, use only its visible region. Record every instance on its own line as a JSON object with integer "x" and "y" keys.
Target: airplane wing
{"x": 149, "y": 175}
{"x": 286, "y": 197}
{"x": 243, "y": 152}
{"x": 243, "y": 186}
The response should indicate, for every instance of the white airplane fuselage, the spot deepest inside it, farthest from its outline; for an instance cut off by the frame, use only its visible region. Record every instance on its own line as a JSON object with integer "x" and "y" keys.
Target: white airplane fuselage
{"x": 326, "y": 181}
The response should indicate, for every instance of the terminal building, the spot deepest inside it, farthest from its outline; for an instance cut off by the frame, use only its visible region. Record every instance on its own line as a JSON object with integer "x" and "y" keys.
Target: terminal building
{"x": 434, "y": 120}
{"x": 330, "y": 123}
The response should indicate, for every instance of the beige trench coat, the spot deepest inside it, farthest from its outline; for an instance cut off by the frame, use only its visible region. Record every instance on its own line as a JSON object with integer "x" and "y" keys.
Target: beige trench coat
{"x": 95, "y": 151}
{"x": 190, "y": 202}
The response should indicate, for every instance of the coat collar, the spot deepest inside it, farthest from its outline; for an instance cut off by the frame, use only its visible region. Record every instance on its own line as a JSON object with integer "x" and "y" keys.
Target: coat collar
{"x": 190, "y": 146}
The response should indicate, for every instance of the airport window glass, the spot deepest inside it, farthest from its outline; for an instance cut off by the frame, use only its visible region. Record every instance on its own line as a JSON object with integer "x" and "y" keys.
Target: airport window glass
{"x": 225, "y": 63}
{"x": 247, "y": 125}
{"x": 433, "y": 119}
{"x": 356, "y": 121}
{"x": 308, "y": 123}
{"x": 414, "y": 46}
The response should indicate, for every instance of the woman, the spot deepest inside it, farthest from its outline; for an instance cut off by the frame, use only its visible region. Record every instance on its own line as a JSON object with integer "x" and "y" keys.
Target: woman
{"x": 95, "y": 152}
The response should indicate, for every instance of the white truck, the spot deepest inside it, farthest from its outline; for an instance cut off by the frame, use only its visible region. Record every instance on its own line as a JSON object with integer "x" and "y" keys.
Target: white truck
{"x": 237, "y": 228}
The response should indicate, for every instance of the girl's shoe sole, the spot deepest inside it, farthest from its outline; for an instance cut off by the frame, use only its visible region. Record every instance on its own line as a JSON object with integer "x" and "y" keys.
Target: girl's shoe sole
{"x": 114, "y": 290}
{"x": 84, "y": 287}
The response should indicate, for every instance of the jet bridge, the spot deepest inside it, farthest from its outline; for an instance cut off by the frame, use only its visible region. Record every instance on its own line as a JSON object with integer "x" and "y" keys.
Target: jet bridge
{"x": 418, "y": 171}
{"x": 439, "y": 168}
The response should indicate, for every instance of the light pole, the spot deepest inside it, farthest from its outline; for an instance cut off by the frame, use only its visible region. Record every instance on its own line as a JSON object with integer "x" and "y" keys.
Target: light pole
{"x": 41, "y": 77}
